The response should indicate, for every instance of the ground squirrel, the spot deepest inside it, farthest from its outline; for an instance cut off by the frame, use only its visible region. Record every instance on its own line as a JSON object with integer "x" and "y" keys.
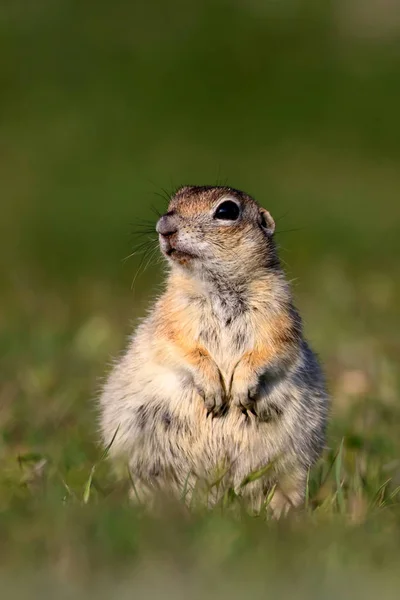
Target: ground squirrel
{"x": 219, "y": 372}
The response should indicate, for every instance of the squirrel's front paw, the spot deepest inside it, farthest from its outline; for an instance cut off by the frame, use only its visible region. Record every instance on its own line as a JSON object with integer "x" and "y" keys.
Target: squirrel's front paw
{"x": 244, "y": 395}
{"x": 213, "y": 396}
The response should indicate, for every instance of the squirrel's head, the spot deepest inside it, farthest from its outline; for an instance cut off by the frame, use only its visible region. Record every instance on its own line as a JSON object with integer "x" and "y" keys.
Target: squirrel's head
{"x": 217, "y": 230}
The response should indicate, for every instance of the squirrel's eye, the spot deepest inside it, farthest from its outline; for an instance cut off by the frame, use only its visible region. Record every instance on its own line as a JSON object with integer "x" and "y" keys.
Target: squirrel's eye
{"x": 228, "y": 211}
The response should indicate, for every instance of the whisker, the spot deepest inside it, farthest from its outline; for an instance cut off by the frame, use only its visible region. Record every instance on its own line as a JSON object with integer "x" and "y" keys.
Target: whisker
{"x": 168, "y": 193}
{"x": 144, "y": 257}
{"x": 285, "y": 214}
{"x": 152, "y": 254}
{"x": 142, "y": 242}
{"x": 146, "y": 221}
{"x": 140, "y": 248}
{"x": 164, "y": 194}
{"x": 219, "y": 181}
{"x": 142, "y": 232}
{"x": 134, "y": 253}
{"x": 290, "y": 230}
{"x": 155, "y": 211}
{"x": 144, "y": 227}
{"x": 165, "y": 199}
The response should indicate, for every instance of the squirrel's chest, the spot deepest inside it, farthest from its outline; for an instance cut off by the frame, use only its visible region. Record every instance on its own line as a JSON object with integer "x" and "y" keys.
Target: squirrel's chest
{"x": 226, "y": 340}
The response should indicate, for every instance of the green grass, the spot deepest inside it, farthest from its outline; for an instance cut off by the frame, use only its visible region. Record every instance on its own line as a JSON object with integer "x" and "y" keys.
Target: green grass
{"x": 101, "y": 108}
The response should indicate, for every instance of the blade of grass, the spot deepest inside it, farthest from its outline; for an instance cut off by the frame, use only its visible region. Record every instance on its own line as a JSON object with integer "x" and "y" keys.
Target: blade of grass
{"x": 338, "y": 471}
{"x": 307, "y": 495}
{"x": 88, "y": 484}
{"x": 391, "y": 496}
{"x": 257, "y": 474}
{"x": 133, "y": 485}
{"x": 329, "y": 469}
{"x": 268, "y": 499}
{"x": 185, "y": 488}
{"x": 217, "y": 481}
{"x": 377, "y": 500}
{"x": 228, "y": 499}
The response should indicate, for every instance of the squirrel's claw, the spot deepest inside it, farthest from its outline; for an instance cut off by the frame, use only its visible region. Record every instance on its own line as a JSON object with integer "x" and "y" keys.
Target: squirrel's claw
{"x": 246, "y": 401}
{"x": 215, "y": 405}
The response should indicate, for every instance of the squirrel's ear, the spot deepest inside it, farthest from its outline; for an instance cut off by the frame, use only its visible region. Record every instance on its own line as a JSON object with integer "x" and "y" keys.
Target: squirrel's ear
{"x": 267, "y": 222}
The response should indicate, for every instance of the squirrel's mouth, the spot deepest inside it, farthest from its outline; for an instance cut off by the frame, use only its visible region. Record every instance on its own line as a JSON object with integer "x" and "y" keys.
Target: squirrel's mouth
{"x": 175, "y": 252}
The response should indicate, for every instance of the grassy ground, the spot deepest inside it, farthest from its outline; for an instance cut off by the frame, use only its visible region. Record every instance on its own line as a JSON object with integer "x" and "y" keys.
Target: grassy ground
{"x": 100, "y": 109}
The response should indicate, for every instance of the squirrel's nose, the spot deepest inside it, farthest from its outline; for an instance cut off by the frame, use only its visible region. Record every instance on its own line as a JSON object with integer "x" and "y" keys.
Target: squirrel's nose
{"x": 167, "y": 225}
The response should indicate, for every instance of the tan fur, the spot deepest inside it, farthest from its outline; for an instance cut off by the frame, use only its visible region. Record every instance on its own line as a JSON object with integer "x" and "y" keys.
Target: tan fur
{"x": 219, "y": 373}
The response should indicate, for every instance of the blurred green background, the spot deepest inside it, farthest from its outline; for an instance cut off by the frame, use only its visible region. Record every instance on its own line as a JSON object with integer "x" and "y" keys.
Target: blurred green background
{"x": 104, "y": 106}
